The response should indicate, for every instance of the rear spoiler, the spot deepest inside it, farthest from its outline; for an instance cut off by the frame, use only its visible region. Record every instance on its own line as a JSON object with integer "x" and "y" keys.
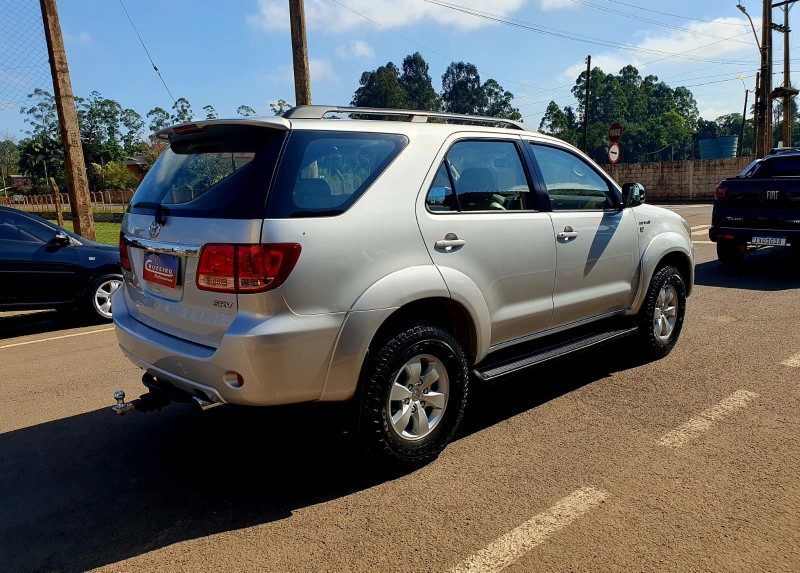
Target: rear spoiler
{"x": 220, "y": 126}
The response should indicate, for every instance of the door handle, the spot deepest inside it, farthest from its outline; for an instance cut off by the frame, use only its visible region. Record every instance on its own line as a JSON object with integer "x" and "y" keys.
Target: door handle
{"x": 567, "y": 233}
{"x": 450, "y": 240}
{"x": 445, "y": 243}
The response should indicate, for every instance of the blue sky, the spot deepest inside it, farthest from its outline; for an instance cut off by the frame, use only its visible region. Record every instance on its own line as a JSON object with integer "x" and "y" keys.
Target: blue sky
{"x": 239, "y": 52}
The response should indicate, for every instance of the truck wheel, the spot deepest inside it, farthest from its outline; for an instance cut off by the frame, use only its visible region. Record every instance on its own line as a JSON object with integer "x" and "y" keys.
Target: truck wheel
{"x": 661, "y": 317}
{"x": 98, "y": 297}
{"x": 730, "y": 253}
{"x": 415, "y": 394}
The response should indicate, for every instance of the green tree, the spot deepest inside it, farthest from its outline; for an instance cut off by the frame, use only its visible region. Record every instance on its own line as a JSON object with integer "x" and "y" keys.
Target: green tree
{"x": 41, "y": 157}
{"x": 245, "y": 111}
{"x": 133, "y": 124}
{"x": 159, "y": 119}
{"x": 559, "y": 123}
{"x": 9, "y": 159}
{"x": 381, "y": 88}
{"x": 41, "y": 115}
{"x": 416, "y": 83}
{"x": 114, "y": 175}
{"x": 462, "y": 91}
{"x": 181, "y": 111}
{"x": 498, "y": 102}
{"x": 280, "y": 107}
{"x": 211, "y": 113}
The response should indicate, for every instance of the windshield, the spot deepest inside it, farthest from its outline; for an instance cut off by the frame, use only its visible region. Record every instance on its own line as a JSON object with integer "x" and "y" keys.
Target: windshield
{"x": 221, "y": 177}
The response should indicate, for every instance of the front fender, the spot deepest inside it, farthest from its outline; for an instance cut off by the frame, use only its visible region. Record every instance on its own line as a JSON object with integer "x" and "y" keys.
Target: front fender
{"x": 659, "y": 247}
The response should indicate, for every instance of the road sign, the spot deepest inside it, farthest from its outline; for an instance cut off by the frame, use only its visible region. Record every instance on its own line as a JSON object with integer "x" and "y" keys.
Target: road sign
{"x": 615, "y": 132}
{"x": 613, "y": 152}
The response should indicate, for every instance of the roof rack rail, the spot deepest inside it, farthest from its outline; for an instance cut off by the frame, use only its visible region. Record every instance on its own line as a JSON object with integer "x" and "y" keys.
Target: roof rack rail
{"x": 415, "y": 116}
{"x": 775, "y": 150}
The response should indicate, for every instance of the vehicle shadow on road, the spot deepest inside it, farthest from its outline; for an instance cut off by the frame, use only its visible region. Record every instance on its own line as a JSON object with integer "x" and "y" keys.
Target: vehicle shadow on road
{"x": 95, "y": 489}
{"x": 39, "y": 322}
{"x": 764, "y": 270}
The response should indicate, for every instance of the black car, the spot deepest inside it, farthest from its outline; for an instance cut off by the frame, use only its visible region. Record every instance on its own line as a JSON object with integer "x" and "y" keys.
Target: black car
{"x": 44, "y": 266}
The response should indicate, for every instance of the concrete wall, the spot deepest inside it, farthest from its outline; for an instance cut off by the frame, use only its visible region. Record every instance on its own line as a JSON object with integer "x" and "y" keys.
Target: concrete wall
{"x": 678, "y": 180}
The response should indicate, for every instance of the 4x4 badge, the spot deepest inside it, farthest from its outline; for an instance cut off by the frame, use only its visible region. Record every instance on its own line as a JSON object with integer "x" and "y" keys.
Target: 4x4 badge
{"x": 155, "y": 229}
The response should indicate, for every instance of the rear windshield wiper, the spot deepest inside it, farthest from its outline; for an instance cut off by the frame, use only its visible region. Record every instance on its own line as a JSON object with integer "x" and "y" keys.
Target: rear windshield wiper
{"x": 161, "y": 211}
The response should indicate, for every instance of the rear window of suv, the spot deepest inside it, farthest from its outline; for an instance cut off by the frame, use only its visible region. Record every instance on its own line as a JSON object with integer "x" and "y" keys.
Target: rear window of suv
{"x": 321, "y": 173}
{"x": 223, "y": 177}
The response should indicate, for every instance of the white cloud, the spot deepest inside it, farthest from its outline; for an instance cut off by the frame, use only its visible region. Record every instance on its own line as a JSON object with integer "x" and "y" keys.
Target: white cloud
{"x": 355, "y": 50}
{"x": 552, "y": 5}
{"x": 82, "y": 38}
{"x": 696, "y": 48}
{"x": 322, "y": 71}
{"x": 328, "y": 16}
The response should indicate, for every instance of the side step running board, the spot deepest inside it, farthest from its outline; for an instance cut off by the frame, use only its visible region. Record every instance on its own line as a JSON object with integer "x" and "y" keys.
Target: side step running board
{"x": 493, "y": 371}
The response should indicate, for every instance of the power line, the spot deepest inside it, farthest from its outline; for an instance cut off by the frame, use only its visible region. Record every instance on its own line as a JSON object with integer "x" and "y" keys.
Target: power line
{"x": 673, "y": 15}
{"x": 368, "y": 19}
{"x": 563, "y": 34}
{"x": 146, "y": 51}
{"x": 658, "y": 23}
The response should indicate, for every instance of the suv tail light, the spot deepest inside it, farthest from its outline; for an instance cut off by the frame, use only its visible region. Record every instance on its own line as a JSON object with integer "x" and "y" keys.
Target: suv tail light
{"x": 721, "y": 192}
{"x": 245, "y": 269}
{"x": 124, "y": 260}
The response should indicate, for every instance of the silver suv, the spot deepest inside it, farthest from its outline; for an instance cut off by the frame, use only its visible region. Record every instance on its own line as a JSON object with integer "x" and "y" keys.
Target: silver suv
{"x": 387, "y": 258}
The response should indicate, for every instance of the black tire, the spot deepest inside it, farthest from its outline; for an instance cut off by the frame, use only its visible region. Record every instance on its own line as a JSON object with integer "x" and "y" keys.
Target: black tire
{"x": 730, "y": 253}
{"x": 92, "y": 306}
{"x": 655, "y": 344}
{"x": 378, "y": 432}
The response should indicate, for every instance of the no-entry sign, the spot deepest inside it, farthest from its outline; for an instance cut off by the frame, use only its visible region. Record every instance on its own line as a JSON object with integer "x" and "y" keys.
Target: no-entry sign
{"x": 613, "y": 152}
{"x": 615, "y": 132}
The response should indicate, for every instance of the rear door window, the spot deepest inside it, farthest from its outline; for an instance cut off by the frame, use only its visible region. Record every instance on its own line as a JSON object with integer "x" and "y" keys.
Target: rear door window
{"x": 323, "y": 173}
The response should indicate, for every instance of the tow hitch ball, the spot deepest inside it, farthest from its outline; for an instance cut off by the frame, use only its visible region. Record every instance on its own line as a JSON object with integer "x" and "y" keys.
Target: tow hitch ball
{"x": 122, "y": 406}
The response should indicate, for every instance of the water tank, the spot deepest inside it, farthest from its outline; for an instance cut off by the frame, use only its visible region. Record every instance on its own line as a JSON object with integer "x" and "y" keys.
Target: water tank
{"x": 719, "y": 147}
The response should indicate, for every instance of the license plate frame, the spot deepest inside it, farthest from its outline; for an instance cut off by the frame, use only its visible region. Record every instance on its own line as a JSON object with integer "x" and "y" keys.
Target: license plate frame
{"x": 161, "y": 269}
{"x": 769, "y": 241}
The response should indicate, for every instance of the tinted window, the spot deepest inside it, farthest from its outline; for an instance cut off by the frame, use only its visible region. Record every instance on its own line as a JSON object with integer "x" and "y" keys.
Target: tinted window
{"x": 440, "y": 196}
{"x": 488, "y": 176}
{"x": 323, "y": 173}
{"x": 781, "y": 167}
{"x": 18, "y": 228}
{"x": 571, "y": 183}
{"x": 225, "y": 176}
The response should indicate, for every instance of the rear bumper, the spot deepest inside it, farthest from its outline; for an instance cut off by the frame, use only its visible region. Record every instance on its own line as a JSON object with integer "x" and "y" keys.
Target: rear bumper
{"x": 746, "y": 234}
{"x": 283, "y": 359}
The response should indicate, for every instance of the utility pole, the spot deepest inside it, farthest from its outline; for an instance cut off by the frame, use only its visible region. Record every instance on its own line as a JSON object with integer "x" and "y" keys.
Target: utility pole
{"x": 586, "y": 106}
{"x": 82, "y": 220}
{"x": 787, "y": 86}
{"x": 756, "y": 99}
{"x": 764, "y": 143}
{"x": 302, "y": 77}
{"x": 744, "y": 118}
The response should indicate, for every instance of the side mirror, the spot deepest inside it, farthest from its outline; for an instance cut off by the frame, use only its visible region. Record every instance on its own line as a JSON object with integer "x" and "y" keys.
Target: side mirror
{"x": 62, "y": 238}
{"x": 632, "y": 194}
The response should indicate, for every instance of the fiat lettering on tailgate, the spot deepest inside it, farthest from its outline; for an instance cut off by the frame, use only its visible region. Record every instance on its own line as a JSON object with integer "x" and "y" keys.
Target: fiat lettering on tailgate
{"x": 161, "y": 269}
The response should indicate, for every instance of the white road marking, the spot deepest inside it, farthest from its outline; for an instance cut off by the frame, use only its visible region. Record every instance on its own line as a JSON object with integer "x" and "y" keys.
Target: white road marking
{"x": 705, "y": 419}
{"x": 699, "y": 228}
{"x": 56, "y": 338}
{"x": 793, "y": 361}
{"x": 506, "y": 549}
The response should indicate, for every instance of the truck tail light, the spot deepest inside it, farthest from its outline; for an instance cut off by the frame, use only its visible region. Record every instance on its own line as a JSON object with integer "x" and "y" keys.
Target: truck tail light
{"x": 245, "y": 269}
{"x": 721, "y": 192}
{"x": 124, "y": 259}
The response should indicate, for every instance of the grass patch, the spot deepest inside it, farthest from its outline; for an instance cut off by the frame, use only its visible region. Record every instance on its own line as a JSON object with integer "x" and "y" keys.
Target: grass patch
{"x": 106, "y": 232}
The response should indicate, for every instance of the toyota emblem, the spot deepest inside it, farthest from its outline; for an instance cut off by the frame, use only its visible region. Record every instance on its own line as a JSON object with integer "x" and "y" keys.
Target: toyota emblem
{"x": 155, "y": 229}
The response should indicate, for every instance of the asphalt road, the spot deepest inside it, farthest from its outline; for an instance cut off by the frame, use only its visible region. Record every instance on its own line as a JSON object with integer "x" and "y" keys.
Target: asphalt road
{"x": 686, "y": 464}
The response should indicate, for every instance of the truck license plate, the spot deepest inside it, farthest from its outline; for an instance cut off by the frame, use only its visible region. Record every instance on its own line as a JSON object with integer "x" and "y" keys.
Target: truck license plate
{"x": 777, "y": 241}
{"x": 161, "y": 269}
